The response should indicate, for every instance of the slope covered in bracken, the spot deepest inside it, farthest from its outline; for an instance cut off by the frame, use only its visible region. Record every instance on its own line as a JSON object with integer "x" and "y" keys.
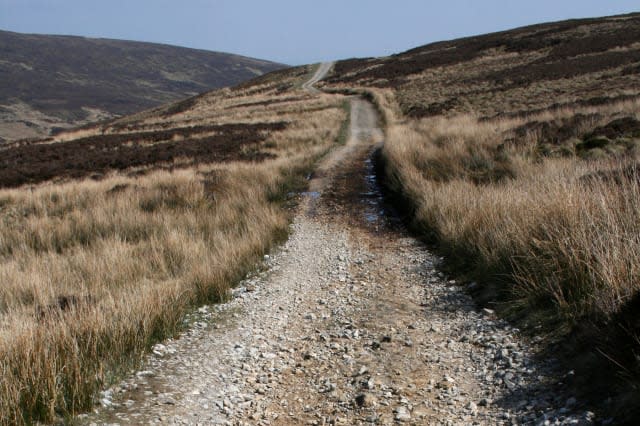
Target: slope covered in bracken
{"x": 516, "y": 154}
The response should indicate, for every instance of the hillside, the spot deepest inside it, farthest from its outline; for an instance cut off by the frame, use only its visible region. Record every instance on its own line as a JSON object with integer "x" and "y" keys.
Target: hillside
{"x": 49, "y": 82}
{"x": 518, "y": 72}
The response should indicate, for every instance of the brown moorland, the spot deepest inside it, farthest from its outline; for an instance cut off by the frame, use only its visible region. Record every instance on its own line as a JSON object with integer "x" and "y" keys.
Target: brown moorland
{"x": 111, "y": 233}
{"x": 29, "y": 163}
{"x": 552, "y": 65}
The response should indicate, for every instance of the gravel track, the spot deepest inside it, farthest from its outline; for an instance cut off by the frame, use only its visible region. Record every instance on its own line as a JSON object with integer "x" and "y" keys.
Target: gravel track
{"x": 321, "y": 72}
{"x": 350, "y": 322}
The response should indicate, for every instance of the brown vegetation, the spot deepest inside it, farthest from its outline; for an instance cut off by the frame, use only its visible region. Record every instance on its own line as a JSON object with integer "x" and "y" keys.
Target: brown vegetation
{"x": 519, "y": 209}
{"x": 23, "y": 163}
{"x": 51, "y": 83}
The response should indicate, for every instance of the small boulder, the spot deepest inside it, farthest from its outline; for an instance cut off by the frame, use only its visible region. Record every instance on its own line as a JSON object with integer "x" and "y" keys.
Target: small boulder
{"x": 366, "y": 400}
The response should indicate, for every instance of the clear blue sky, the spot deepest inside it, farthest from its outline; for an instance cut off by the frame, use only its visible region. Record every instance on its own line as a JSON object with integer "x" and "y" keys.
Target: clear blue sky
{"x": 293, "y": 31}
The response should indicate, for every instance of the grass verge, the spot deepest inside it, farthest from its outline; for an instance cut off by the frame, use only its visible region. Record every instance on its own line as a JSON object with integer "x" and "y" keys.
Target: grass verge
{"x": 343, "y": 135}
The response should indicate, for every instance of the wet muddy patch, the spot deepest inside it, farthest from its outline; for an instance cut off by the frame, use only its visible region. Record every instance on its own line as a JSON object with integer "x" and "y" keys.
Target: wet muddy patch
{"x": 357, "y": 193}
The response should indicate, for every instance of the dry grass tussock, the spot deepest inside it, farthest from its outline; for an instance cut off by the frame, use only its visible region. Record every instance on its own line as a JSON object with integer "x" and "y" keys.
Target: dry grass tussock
{"x": 563, "y": 228}
{"x": 95, "y": 272}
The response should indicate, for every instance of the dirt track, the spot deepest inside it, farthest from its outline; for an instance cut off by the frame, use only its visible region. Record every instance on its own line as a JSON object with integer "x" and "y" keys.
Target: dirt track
{"x": 320, "y": 73}
{"x": 349, "y": 323}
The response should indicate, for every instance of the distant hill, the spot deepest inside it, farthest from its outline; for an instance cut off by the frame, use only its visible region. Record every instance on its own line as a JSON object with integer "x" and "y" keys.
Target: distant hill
{"x": 49, "y": 82}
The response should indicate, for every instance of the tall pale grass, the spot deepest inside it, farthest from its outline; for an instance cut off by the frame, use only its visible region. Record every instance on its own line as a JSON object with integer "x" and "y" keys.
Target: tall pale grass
{"x": 136, "y": 260}
{"x": 566, "y": 241}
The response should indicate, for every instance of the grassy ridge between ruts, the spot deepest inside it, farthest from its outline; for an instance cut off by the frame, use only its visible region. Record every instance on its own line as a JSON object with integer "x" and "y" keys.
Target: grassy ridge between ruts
{"x": 97, "y": 269}
{"x": 548, "y": 230}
